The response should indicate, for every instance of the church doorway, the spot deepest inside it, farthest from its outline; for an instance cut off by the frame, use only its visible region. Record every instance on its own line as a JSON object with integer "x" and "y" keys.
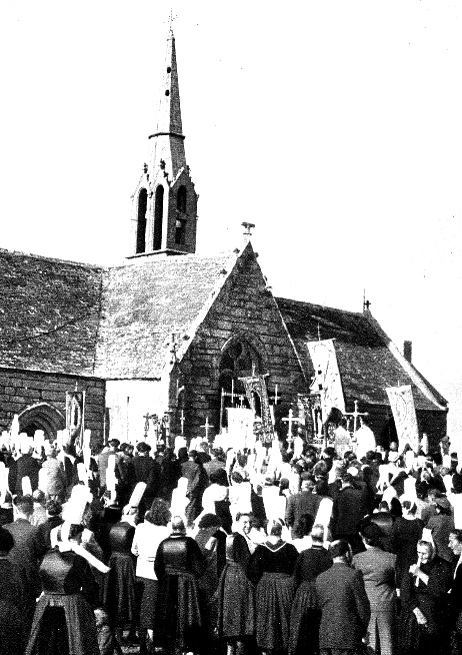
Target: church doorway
{"x": 387, "y": 434}
{"x": 42, "y": 417}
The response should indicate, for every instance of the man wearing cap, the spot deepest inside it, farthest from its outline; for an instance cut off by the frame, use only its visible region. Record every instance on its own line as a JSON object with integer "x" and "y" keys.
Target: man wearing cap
{"x": 146, "y": 470}
{"x": 378, "y": 569}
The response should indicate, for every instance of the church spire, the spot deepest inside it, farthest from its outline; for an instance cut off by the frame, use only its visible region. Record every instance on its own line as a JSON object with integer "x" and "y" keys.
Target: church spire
{"x": 165, "y": 202}
{"x": 169, "y": 117}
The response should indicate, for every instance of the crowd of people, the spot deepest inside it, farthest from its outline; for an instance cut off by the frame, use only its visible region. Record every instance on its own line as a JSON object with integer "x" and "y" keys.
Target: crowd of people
{"x": 210, "y": 551}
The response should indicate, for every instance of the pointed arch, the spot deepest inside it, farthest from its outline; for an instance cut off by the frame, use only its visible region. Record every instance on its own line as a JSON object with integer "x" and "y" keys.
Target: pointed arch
{"x": 158, "y": 217}
{"x": 42, "y": 416}
{"x": 141, "y": 221}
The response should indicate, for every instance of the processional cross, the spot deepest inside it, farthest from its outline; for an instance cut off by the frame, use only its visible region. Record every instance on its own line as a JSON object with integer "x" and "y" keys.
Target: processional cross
{"x": 207, "y": 427}
{"x": 356, "y": 414}
{"x": 291, "y": 420}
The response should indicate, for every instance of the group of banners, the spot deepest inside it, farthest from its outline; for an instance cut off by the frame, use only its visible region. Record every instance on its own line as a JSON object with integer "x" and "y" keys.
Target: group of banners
{"x": 327, "y": 384}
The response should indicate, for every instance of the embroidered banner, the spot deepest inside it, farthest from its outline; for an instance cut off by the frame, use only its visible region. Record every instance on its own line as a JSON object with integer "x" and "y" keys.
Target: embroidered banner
{"x": 75, "y": 408}
{"x": 327, "y": 381}
{"x": 402, "y": 406}
{"x": 257, "y": 396}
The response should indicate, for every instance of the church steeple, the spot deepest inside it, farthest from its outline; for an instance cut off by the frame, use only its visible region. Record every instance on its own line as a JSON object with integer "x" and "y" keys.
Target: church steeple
{"x": 165, "y": 202}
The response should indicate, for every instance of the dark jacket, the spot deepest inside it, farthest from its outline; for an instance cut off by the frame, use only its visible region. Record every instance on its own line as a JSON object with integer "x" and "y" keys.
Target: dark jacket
{"x": 304, "y": 502}
{"x": 345, "y": 608}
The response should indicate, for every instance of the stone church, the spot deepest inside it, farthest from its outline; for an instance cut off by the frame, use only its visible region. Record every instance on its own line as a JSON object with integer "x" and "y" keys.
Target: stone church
{"x": 171, "y": 333}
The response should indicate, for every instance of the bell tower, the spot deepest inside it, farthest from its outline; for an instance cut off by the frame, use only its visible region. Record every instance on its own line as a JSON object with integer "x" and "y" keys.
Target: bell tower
{"x": 164, "y": 207}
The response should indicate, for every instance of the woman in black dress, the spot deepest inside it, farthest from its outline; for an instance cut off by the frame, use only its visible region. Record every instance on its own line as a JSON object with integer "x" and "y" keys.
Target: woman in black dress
{"x": 271, "y": 567}
{"x": 64, "y": 621}
{"x": 236, "y": 597}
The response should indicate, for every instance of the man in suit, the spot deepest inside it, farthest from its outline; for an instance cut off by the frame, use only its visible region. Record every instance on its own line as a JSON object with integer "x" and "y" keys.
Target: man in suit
{"x": 305, "y": 502}
{"x": 24, "y": 466}
{"x": 305, "y": 617}
{"x": 146, "y": 470}
{"x": 378, "y": 569}
{"x": 197, "y": 478}
{"x": 345, "y": 608}
{"x": 24, "y": 554}
{"x": 349, "y": 509}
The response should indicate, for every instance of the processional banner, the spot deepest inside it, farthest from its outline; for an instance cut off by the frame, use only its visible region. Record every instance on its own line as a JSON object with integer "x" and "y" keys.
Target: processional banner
{"x": 240, "y": 427}
{"x": 257, "y": 395}
{"x": 403, "y": 409}
{"x": 75, "y": 408}
{"x": 327, "y": 382}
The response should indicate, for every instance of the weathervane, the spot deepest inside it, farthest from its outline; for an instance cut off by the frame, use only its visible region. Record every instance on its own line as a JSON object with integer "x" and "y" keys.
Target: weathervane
{"x": 248, "y": 229}
{"x": 171, "y": 18}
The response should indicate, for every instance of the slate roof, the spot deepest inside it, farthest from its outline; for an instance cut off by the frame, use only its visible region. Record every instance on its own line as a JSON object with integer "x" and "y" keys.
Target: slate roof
{"x": 367, "y": 358}
{"x": 148, "y": 299}
{"x": 77, "y": 319}
{"x": 49, "y": 313}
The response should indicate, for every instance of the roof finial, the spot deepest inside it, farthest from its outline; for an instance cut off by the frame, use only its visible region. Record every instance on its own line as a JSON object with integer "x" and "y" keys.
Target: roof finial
{"x": 171, "y": 18}
{"x": 248, "y": 229}
{"x": 366, "y": 303}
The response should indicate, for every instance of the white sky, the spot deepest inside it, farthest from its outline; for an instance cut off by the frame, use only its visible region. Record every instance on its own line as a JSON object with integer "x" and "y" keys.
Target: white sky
{"x": 336, "y": 127}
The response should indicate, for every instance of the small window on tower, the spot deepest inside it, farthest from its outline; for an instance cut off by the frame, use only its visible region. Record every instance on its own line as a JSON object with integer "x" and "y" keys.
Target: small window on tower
{"x": 169, "y": 70}
{"x": 167, "y": 93}
{"x": 181, "y": 199}
{"x": 141, "y": 222}
{"x": 180, "y": 231}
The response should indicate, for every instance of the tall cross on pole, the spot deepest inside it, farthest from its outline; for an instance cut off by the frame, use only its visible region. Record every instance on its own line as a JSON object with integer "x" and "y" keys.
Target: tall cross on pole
{"x": 182, "y": 423}
{"x": 355, "y": 415}
{"x": 171, "y": 18}
{"x": 207, "y": 427}
{"x": 291, "y": 420}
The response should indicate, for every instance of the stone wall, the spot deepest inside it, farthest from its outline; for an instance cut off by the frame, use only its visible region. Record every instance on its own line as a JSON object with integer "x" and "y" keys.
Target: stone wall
{"x": 243, "y": 307}
{"x": 20, "y": 390}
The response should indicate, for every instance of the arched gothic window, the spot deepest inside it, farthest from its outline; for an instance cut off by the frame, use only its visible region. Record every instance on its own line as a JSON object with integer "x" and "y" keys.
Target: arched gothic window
{"x": 239, "y": 360}
{"x": 180, "y": 225}
{"x": 158, "y": 217}
{"x": 141, "y": 221}
{"x": 181, "y": 199}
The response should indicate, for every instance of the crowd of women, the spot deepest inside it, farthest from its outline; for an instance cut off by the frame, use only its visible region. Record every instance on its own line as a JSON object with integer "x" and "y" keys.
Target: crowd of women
{"x": 206, "y": 552}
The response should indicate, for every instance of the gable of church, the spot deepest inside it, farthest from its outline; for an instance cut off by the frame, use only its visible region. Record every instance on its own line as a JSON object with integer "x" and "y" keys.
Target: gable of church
{"x": 242, "y": 330}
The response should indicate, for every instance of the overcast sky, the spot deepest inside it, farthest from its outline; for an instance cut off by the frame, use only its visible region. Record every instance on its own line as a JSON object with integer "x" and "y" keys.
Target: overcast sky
{"x": 335, "y": 127}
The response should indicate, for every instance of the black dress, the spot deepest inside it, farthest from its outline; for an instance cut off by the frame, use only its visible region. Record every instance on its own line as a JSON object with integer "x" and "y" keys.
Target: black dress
{"x": 271, "y": 567}
{"x": 11, "y": 598}
{"x": 305, "y": 616}
{"x": 404, "y": 537}
{"x": 179, "y": 617}
{"x": 64, "y": 622}
{"x": 432, "y": 600}
{"x": 119, "y": 598}
{"x": 236, "y": 594}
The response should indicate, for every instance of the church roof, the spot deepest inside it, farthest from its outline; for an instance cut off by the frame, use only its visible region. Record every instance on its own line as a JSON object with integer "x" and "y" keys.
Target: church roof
{"x": 49, "y": 313}
{"x": 368, "y": 360}
{"x": 145, "y": 302}
{"x": 72, "y": 318}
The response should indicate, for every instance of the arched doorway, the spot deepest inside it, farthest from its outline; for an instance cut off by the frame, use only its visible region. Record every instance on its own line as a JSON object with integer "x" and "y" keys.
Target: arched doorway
{"x": 42, "y": 417}
{"x": 387, "y": 434}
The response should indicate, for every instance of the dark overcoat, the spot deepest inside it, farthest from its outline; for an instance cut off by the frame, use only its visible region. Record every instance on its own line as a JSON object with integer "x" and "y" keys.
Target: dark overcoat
{"x": 344, "y": 605}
